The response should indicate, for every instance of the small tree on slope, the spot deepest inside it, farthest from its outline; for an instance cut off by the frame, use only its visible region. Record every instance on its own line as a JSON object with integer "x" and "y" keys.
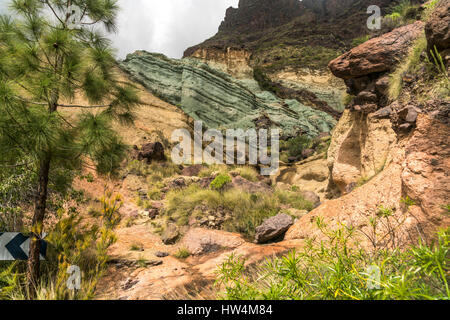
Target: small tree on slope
{"x": 50, "y": 52}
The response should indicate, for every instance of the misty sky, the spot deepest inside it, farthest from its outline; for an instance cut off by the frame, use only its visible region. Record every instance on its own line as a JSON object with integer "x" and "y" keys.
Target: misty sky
{"x": 168, "y": 26}
{"x": 165, "y": 26}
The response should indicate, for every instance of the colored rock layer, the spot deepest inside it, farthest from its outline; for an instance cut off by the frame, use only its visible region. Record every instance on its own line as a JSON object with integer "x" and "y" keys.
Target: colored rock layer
{"x": 219, "y": 100}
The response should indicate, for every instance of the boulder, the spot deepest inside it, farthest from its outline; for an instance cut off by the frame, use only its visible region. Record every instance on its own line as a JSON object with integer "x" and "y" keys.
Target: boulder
{"x": 437, "y": 28}
{"x": 170, "y": 235}
{"x": 311, "y": 197}
{"x": 273, "y": 228}
{"x": 192, "y": 171}
{"x": 376, "y": 55}
{"x": 160, "y": 254}
{"x": 248, "y": 186}
{"x": 151, "y": 151}
{"x": 177, "y": 183}
{"x": 307, "y": 153}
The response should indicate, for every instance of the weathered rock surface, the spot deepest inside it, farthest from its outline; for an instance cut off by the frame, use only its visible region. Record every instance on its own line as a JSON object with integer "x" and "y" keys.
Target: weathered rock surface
{"x": 308, "y": 176}
{"x": 151, "y": 151}
{"x": 249, "y": 186}
{"x": 418, "y": 169}
{"x": 218, "y": 99}
{"x": 193, "y": 170}
{"x": 273, "y": 228}
{"x": 437, "y": 28}
{"x": 274, "y": 31}
{"x": 170, "y": 235}
{"x": 359, "y": 148}
{"x": 378, "y": 54}
{"x": 202, "y": 241}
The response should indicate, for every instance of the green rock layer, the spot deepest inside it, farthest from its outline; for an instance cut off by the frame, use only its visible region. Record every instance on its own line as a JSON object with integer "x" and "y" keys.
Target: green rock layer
{"x": 218, "y": 99}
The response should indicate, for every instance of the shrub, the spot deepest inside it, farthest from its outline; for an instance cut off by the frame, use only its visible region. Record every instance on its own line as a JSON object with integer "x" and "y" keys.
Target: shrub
{"x": 360, "y": 40}
{"x": 154, "y": 193}
{"x": 409, "y": 64}
{"x": 335, "y": 270}
{"x": 72, "y": 241}
{"x": 220, "y": 181}
{"x": 248, "y": 173}
{"x": 207, "y": 172}
{"x": 294, "y": 199}
{"x": 247, "y": 211}
{"x": 182, "y": 253}
{"x": 295, "y": 146}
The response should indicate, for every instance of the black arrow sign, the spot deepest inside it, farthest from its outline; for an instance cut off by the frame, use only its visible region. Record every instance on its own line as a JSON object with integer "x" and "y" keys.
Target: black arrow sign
{"x": 15, "y": 250}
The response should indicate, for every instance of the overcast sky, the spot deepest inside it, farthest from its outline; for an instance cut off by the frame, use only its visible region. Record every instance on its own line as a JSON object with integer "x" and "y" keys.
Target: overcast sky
{"x": 168, "y": 26}
{"x": 165, "y": 26}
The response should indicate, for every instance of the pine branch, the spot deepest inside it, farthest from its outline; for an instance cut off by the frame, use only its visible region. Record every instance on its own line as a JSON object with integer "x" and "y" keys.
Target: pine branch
{"x": 82, "y": 106}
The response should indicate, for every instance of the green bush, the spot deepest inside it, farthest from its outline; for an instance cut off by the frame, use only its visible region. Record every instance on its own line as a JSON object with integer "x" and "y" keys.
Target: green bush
{"x": 246, "y": 211}
{"x": 360, "y": 40}
{"x": 337, "y": 270}
{"x": 220, "y": 182}
{"x": 182, "y": 253}
{"x": 295, "y": 146}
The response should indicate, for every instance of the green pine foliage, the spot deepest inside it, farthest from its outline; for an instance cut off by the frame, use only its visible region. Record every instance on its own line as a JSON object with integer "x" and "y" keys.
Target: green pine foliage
{"x": 51, "y": 56}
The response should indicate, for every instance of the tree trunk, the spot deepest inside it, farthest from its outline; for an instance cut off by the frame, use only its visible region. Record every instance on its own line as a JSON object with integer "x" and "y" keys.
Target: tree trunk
{"x": 38, "y": 219}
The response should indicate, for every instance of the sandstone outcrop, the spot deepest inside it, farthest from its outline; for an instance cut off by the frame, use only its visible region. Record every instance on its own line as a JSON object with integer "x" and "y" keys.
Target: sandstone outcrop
{"x": 384, "y": 154}
{"x": 359, "y": 148}
{"x": 202, "y": 241}
{"x": 230, "y": 60}
{"x": 378, "y": 54}
{"x": 418, "y": 169}
{"x": 219, "y": 100}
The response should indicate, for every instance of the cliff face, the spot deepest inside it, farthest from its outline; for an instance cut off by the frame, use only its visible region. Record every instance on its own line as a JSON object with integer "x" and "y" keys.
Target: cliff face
{"x": 220, "y": 100}
{"x": 391, "y": 152}
{"x": 276, "y": 32}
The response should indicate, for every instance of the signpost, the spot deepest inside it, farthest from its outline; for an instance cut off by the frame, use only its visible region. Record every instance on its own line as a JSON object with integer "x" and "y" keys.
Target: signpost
{"x": 16, "y": 246}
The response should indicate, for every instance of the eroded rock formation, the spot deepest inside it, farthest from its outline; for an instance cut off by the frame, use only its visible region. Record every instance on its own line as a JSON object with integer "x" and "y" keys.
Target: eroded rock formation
{"x": 220, "y": 100}
{"x": 393, "y": 154}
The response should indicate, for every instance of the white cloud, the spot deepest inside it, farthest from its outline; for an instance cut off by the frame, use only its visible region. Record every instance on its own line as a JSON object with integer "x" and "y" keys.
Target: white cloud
{"x": 164, "y": 26}
{"x": 167, "y": 26}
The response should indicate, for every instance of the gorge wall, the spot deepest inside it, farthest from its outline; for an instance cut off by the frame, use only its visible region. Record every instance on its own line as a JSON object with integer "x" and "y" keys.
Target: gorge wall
{"x": 390, "y": 153}
{"x": 219, "y": 100}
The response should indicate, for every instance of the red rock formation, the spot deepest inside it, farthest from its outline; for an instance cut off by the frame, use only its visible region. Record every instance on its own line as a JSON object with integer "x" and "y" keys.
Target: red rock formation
{"x": 376, "y": 55}
{"x": 437, "y": 28}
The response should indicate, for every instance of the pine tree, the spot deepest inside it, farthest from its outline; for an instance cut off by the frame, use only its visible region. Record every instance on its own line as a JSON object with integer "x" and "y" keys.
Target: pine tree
{"x": 52, "y": 51}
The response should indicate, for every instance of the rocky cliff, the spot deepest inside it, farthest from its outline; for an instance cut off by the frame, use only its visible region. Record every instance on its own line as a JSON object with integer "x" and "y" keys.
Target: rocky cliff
{"x": 391, "y": 151}
{"x": 289, "y": 32}
{"x": 219, "y": 100}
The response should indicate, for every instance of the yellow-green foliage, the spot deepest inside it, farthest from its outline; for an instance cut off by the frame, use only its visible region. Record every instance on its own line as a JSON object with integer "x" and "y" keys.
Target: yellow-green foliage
{"x": 410, "y": 64}
{"x": 155, "y": 171}
{"x": 220, "y": 181}
{"x": 71, "y": 242}
{"x": 182, "y": 253}
{"x": 337, "y": 268}
{"x": 347, "y": 99}
{"x": 154, "y": 193}
{"x": 360, "y": 40}
{"x": 248, "y": 173}
{"x": 439, "y": 85}
{"x": 247, "y": 211}
{"x": 207, "y": 172}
